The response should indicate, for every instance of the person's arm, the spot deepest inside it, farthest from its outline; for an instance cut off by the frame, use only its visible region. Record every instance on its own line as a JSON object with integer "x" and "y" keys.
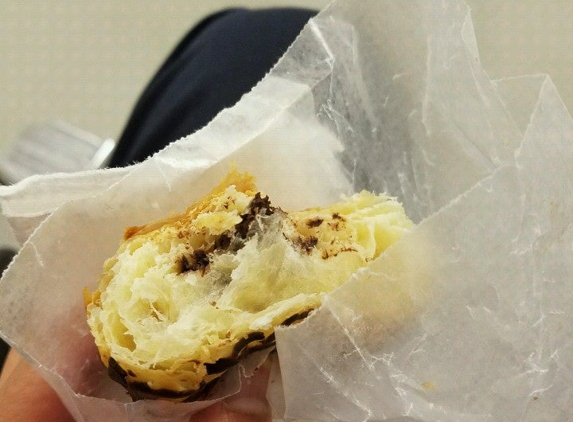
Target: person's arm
{"x": 26, "y": 397}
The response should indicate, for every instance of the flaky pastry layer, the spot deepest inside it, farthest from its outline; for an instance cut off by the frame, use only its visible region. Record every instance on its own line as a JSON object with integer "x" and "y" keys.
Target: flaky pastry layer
{"x": 187, "y": 297}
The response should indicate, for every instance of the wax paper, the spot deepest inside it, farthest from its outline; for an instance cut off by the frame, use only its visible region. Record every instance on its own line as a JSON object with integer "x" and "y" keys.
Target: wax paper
{"x": 466, "y": 318}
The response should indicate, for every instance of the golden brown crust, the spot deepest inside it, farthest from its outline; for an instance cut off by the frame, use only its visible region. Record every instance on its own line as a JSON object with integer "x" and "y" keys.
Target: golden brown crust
{"x": 244, "y": 182}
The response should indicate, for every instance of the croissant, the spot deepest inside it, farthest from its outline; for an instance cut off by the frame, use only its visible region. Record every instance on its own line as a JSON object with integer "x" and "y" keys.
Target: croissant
{"x": 187, "y": 297}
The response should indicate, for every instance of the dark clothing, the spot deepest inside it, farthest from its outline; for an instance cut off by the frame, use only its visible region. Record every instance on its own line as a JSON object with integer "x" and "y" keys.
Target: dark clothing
{"x": 212, "y": 67}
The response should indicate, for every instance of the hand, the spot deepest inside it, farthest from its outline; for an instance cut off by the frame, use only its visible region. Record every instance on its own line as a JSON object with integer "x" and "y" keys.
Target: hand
{"x": 26, "y": 397}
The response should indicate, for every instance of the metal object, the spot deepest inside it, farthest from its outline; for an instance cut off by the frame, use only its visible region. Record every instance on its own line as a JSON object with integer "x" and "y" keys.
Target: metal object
{"x": 53, "y": 147}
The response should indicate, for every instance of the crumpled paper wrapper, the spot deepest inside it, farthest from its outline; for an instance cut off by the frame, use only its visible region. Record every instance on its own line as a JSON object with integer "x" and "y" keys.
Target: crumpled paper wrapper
{"x": 467, "y": 318}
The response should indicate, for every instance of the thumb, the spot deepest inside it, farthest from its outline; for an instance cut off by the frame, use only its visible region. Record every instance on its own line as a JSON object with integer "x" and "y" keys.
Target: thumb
{"x": 248, "y": 405}
{"x": 251, "y": 401}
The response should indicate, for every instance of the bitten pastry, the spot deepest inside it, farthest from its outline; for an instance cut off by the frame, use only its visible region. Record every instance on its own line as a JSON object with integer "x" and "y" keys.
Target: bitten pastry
{"x": 186, "y": 298}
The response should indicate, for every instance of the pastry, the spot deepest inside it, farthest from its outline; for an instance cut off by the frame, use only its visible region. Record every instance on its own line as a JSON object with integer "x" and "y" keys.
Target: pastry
{"x": 187, "y": 297}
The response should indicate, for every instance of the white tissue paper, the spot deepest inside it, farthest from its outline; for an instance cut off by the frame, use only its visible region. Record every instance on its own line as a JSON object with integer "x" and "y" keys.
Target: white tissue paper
{"x": 469, "y": 317}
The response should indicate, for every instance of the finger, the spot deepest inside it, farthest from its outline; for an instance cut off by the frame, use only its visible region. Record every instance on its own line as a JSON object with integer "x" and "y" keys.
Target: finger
{"x": 26, "y": 397}
{"x": 12, "y": 360}
{"x": 251, "y": 400}
{"x": 248, "y": 405}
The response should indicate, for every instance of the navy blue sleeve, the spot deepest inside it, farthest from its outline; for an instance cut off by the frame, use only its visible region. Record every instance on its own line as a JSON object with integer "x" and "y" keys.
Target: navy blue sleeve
{"x": 221, "y": 59}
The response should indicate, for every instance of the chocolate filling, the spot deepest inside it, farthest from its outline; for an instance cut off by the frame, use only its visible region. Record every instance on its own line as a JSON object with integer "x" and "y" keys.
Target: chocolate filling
{"x": 221, "y": 365}
{"x": 223, "y": 242}
{"x": 116, "y": 372}
{"x": 197, "y": 261}
{"x": 306, "y": 243}
{"x": 240, "y": 350}
{"x": 257, "y": 206}
{"x": 243, "y": 348}
{"x": 315, "y": 222}
{"x": 141, "y": 391}
{"x": 293, "y": 319}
